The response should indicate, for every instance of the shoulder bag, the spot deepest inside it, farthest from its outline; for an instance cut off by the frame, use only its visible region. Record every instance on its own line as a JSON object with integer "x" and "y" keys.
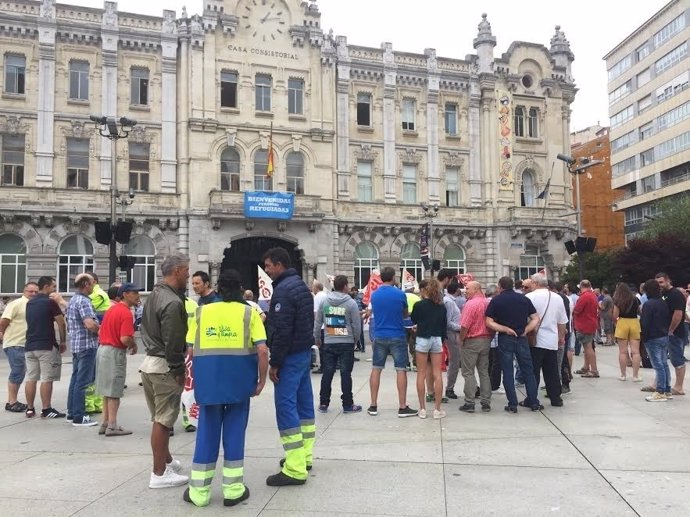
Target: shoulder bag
{"x": 532, "y": 336}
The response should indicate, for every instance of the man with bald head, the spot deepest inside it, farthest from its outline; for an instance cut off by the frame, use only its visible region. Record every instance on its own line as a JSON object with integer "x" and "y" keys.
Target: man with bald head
{"x": 475, "y": 347}
{"x": 248, "y": 297}
{"x": 82, "y": 328}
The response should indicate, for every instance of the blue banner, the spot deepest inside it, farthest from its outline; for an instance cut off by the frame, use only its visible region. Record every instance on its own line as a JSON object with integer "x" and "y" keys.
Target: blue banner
{"x": 269, "y": 205}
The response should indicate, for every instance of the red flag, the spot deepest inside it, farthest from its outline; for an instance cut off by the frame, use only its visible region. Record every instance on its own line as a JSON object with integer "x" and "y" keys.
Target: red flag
{"x": 373, "y": 285}
{"x": 465, "y": 278}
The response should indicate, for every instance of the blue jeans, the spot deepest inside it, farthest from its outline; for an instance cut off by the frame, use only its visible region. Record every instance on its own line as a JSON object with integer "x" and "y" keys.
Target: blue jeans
{"x": 331, "y": 354}
{"x": 676, "y": 351}
{"x": 657, "y": 349}
{"x": 397, "y": 347}
{"x": 510, "y": 347}
{"x": 17, "y": 359}
{"x": 83, "y": 374}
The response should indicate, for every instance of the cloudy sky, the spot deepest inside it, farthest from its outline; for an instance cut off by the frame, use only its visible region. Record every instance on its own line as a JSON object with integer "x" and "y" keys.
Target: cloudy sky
{"x": 593, "y": 28}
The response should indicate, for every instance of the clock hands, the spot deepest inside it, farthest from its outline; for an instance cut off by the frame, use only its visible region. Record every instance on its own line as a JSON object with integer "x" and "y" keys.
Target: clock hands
{"x": 268, "y": 14}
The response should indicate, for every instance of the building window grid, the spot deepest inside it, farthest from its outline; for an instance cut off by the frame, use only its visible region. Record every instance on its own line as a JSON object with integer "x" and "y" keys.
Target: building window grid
{"x": 228, "y": 89}
{"x": 643, "y": 51}
{"x": 408, "y": 114}
{"x": 623, "y": 167}
{"x": 672, "y": 58}
{"x": 622, "y": 116}
{"x": 295, "y": 96}
{"x": 451, "y": 119}
{"x": 669, "y": 30}
{"x": 78, "y": 163}
{"x": 519, "y": 121}
{"x": 622, "y": 142}
{"x": 644, "y": 104}
{"x": 409, "y": 177}
{"x": 364, "y": 182}
{"x": 646, "y": 131}
{"x": 533, "y": 123}
{"x": 264, "y": 85}
{"x": 644, "y": 77}
{"x": 454, "y": 259}
{"x": 139, "y": 166}
{"x": 12, "y": 264}
{"x": 76, "y": 257}
{"x": 673, "y": 117}
{"x": 620, "y": 67}
{"x": 12, "y": 147}
{"x": 647, "y": 157}
{"x": 143, "y": 273}
{"x": 79, "y": 80}
{"x": 673, "y": 87}
{"x": 294, "y": 166}
{"x": 140, "y": 87}
{"x": 364, "y": 109}
{"x": 230, "y": 170}
{"x": 621, "y": 92}
{"x": 452, "y": 180}
{"x": 529, "y": 265}
{"x": 15, "y": 74}
{"x": 366, "y": 260}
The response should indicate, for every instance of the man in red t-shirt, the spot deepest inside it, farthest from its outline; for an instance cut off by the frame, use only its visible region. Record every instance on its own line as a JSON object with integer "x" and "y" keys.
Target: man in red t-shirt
{"x": 586, "y": 322}
{"x": 116, "y": 338}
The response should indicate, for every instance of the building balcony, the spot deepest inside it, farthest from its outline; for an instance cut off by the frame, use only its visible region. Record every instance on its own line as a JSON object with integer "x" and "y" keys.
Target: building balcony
{"x": 86, "y": 203}
{"x": 669, "y": 187}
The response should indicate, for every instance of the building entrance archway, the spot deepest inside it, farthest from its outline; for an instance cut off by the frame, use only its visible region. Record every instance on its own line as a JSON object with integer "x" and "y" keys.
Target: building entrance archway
{"x": 245, "y": 254}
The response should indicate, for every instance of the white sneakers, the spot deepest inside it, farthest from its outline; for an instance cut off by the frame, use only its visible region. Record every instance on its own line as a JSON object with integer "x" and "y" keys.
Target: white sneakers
{"x": 175, "y": 466}
{"x": 170, "y": 477}
{"x": 439, "y": 413}
{"x": 421, "y": 413}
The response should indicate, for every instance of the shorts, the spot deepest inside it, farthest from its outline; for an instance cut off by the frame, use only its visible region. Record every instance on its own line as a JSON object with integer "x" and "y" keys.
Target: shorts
{"x": 431, "y": 344}
{"x": 44, "y": 365}
{"x": 676, "y": 351}
{"x": 111, "y": 370}
{"x": 17, "y": 359}
{"x": 585, "y": 339}
{"x": 163, "y": 395}
{"x": 397, "y": 347}
{"x": 607, "y": 325}
{"x": 628, "y": 328}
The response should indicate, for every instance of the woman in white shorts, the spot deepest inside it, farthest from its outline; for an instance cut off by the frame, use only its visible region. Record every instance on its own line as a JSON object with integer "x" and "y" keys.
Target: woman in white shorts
{"x": 429, "y": 316}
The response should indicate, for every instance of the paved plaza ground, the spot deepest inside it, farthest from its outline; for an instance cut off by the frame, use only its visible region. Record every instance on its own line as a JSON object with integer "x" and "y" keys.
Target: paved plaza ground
{"x": 606, "y": 452}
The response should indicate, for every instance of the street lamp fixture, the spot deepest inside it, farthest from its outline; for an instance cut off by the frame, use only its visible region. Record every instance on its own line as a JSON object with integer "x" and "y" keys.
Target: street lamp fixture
{"x": 114, "y": 130}
{"x": 426, "y": 241}
{"x": 578, "y": 166}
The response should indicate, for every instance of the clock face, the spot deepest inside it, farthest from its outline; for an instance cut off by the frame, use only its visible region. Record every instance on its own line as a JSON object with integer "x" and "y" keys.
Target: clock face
{"x": 263, "y": 20}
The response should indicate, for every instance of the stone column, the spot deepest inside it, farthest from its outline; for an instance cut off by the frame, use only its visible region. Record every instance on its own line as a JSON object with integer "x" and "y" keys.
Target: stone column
{"x": 169, "y": 104}
{"x": 343, "y": 119}
{"x": 477, "y": 136}
{"x": 432, "y": 124}
{"x": 390, "y": 175}
{"x": 109, "y": 38}
{"x": 45, "y": 152}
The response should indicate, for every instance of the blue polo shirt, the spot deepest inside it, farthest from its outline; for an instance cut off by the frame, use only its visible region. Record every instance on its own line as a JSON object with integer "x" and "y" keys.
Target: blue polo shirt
{"x": 40, "y": 319}
{"x": 511, "y": 310}
{"x": 388, "y": 304}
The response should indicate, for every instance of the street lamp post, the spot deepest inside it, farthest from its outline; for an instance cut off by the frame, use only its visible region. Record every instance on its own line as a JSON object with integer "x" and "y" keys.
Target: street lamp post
{"x": 430, "y": 213}
{"x": 108, "y": 128}
{"x": 577, "y": 166}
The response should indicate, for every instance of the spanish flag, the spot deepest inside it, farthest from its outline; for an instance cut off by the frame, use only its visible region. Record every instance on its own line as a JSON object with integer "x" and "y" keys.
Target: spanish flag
{"x": 269, "y": 167}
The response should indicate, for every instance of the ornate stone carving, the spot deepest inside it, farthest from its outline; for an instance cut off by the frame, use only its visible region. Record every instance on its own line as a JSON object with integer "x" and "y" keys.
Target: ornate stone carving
{"x": 410, "y": 155}
{"x": 48, "y": 221}
{"x": 396, "y": 231}
{"x": 184, "y": 12}
{"x": 110, "y": 15}
{"x": 312, "y": 227}
{"x": 431, "y": 60}
{"x": 139, "y": 134}
{"x": 453, "y": 159}
{"x": 249, "y": 225}
{"x": 515, "y": 232}
{"x": 216, "y": 224}
{"x": 35, "y": 220}
{"x": 48, "y": 9}
{"x": 388, "y": 56}
{"x": 12, "y": 125}
{"x": 281, "y": 226}
{"x": 296, "y": 142}
{"x": 230, "y": 135}
{"x": 169, "y": 24}
{"x": 365, "y": 153}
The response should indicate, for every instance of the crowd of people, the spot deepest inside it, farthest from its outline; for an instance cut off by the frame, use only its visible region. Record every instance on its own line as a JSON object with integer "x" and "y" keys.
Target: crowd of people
{"x": 506, "y": 335}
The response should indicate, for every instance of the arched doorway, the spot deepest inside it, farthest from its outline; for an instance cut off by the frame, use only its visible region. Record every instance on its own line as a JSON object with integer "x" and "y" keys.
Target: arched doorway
{"x": 245, "y": 254}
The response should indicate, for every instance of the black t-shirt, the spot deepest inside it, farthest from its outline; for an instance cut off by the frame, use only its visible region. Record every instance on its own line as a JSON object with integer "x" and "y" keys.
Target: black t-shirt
{"x": 430, "y": 318}
{"x": 676, "y": 302}
{"x": 631, "y": 312}
{"x": 40, "y": 323}
{"x": 511, "y": 309}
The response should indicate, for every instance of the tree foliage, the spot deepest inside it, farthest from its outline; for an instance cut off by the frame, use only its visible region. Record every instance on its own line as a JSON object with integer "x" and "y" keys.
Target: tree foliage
{"x": 645, "y": 257}
{"x": 672, "y": 218}
{"x": 598, "y": 269}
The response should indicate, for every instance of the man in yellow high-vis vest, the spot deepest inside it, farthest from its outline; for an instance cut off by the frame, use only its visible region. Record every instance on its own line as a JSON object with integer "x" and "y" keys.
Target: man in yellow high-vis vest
{"x": 230, "y": 367}
{"x": 188, "y": 401}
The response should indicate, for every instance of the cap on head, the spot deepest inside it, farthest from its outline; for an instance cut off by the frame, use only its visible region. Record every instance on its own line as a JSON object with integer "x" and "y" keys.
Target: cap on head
{"x": 127, "y": 287}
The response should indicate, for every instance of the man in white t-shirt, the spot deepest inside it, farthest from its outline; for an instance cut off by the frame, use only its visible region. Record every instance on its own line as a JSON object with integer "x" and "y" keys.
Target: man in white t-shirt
{"x": 550, "y": 336}
{"x": 249, "y": 298}
{"x": 320, "y": 297}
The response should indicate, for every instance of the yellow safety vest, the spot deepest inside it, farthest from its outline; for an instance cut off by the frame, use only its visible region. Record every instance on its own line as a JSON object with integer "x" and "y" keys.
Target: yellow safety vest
{"x": 190, "y": 306}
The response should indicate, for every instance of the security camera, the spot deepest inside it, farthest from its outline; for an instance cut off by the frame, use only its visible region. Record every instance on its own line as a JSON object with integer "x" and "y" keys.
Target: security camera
{"x": 565, "y": 158}
{"x": 111, "y": 123}
{"x": 128, "y": 122}
{"x": 98, "y": 119}
{"x": 131, "y": 193}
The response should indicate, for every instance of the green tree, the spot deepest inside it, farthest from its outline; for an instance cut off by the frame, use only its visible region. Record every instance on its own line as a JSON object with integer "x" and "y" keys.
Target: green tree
{"x": 598, "y": 269}
{"x": 672, "y": 218}
{"x": 645, "y": 257}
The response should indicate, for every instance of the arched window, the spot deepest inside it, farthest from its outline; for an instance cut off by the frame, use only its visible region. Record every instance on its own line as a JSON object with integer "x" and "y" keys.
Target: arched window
{"x": 76, "y": 256}
{"x": 144, "y": 252}
{"x": 230, "y": 170}
{"x": 12, "y": 264}
{"x": 295, "y": 172}
{"x": 527, "y": 189}
{"x": 519, "y": 121}
{"x": 533, "y": 123}
{"x": 261, "y": 181}
{"x": 411, "y": 260}
{"x": 366, "y": 259}
{"x": 454, "y": 258}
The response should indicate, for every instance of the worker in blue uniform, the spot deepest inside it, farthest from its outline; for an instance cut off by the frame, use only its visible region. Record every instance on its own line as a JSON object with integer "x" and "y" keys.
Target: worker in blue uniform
{"x": 289, "y": 327}
{"x": 230, "y": 366}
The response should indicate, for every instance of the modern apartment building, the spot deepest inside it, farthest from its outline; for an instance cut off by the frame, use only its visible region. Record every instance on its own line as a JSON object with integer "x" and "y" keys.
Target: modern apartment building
{"x": 649, "y": 105}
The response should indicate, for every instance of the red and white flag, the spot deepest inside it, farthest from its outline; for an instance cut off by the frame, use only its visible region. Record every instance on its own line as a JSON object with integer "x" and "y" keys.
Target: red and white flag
{"x": 373, "y": 285}
{"x": 465, "y": 278}
{"x": 265, "y": 285}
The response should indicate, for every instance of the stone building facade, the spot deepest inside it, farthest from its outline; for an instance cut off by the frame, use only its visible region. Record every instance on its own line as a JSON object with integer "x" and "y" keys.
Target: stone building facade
{"x": 361, "y": 137}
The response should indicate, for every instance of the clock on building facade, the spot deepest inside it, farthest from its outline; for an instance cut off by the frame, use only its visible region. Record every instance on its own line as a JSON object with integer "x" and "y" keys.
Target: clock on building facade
{"x": 263, "y": 20}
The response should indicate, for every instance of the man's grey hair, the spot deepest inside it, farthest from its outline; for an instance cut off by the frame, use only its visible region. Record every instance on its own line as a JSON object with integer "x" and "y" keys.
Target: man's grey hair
{"x": 172, "y": 262}
{"x": 491, "y": 290}
{"x": 540, "y": 280}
